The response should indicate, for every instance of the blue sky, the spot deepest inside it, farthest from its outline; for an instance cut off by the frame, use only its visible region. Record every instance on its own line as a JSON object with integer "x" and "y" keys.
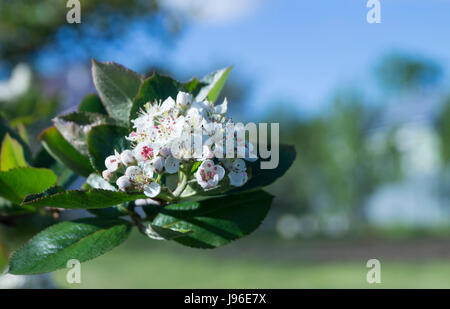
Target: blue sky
{"x": 301, "y": 51}
{"x": 296, "y": 51}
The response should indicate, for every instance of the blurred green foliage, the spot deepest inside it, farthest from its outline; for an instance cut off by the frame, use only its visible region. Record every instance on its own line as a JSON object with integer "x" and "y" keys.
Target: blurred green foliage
{"x": 253, "y": 264}
{"x": 443, "y": 128}
{"x": 348, "y": 152}
{"x": 406, "y": 72}
{"x": 28, "y": 26}
{"x": 30, "y": 112}
{"x": 337, "y": 168}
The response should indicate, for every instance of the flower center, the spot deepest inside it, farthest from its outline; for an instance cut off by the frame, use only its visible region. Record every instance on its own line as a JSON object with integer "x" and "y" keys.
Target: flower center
{"x": 208, "y": 175}
{"x": 147, "y": 152}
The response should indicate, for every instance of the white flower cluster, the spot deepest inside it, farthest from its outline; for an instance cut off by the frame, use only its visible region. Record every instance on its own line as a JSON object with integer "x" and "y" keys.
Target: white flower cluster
{"x": 173, "y": 135}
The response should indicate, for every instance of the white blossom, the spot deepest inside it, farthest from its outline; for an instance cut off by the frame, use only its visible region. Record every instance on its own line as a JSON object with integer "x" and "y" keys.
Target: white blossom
{"x": 113, "y": 163}
{"x": 124, "y": 183}
{"x": 158, "y": 164}
{"x": 145, "y": 151}
{"x": 172, "y": 134}
{"x": 148, "y": 169}
{"x": 238, "y": 179}
{"x": 133, "y": 171}
{"x": 172, "y": 164}
{"x": 209, "y": 174}
{"x": 127, "y": 157}
{"x": 184, "y": 99}
{"x": 152, "y": 190}
{"x": 237, "y": 171}
{"x": 108, "y": 175}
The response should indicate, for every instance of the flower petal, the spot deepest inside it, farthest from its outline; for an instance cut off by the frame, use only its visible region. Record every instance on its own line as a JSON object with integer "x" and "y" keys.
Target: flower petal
{"x": 152, "y": 190}
{"x": 172, "y": 165}
{"x": 220, "y": 171}
{"x": 238, "y": 179}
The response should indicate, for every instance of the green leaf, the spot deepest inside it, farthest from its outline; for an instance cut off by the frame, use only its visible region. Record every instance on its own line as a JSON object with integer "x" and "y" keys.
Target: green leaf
{"x": 109, "y": 212}
{"x": 194, "y": 86}
{"x": 214, "y": 84}
{"x": 160, "y": 233}
{"x": 216, "y": 221}
{"x": 17, "y": 183}
{"x": 117, "y": 87}
{"x": 76, "y": 126}
{"x": 264, "y": 177}
{"x": 11, "y": 154}
{"x": 61, "y": 150}
{"x": 156, "y": 87}
{"x": 97, "y": 182}
{"x": 195, "y": 166}
{"x": 83, "y": 240}
{"x": 92, "y": 103}
{"x": 3, "y": 257}
{"x": 48, "y": 192}
{"x": 103, "y": 140}
{"x": 77, "y": 199}
{"x": 5, "y": 128}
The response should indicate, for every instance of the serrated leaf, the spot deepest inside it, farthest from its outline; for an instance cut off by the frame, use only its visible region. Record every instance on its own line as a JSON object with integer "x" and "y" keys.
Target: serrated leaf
{"x": 117, "y": 87}
{"x": 11, "y": 154}
{"x": 78, "y": 199}
{"x": 48, "y": 192}
{"x": 60, "y": 149}
{"x": 91, "y": 103}
{"x": 17, "y": 183}
{"x": 75, "y": 127}
{"x": 156, "y": 87}
{"x": 103, "y": 140}
{"x": 97, "y": 182}
{"x": 83, "y": 240}
{"x": 214, "y": 84}
{"x": 216, "y": 221}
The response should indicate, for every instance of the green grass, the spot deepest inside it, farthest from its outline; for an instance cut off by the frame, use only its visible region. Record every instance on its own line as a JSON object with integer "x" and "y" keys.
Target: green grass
{"x": 150, "y": 264}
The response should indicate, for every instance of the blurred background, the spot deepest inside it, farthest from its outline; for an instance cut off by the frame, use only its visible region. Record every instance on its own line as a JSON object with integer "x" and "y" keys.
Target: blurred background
{"x": 366, "y": 105}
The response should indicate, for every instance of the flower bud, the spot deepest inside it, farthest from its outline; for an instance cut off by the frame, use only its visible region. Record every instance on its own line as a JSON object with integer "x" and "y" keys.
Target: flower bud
{"x": 238, "y": 179}
{"x": 184, "y": 98}
{"x": 108, "y": 176}
{"x": 158, "y": 164}
{"x": 127, "y": 158}
{"x": 124, "y": 183}
{"x": 172, "y": 165}
{"x": 148, "y": 170}
{"x": 133, "y": 171}
{"x": 113, "y": 163}
{"x": 238, "y": 166}
{"x": 165, "y": 151}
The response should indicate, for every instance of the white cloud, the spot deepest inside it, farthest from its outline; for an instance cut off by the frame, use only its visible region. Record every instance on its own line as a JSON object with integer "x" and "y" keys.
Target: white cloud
{"x": 212, "y": 11}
